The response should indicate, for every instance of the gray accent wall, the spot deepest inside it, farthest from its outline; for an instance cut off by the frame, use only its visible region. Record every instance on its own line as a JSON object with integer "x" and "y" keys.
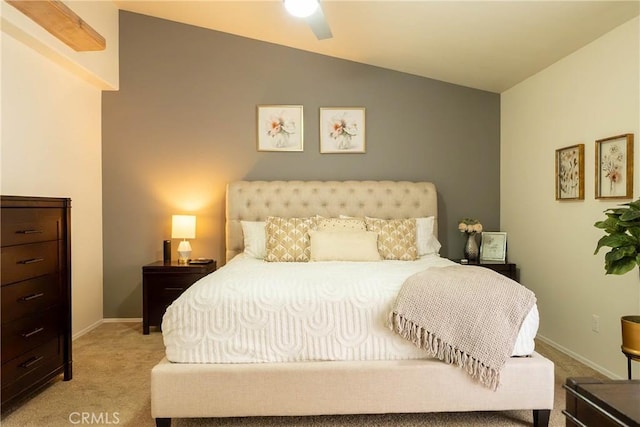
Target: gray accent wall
{"x": 183, "y": 125}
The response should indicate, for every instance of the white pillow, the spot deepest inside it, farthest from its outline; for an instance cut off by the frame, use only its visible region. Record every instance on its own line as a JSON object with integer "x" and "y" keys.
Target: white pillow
{"x": 425, "y": 239}
{"x": 255, "y": 238}
{"x": 344, "y": 246}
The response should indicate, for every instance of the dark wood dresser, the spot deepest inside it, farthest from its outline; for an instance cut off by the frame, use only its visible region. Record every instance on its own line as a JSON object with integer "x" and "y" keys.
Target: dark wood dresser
{"x": 36, "y": 294}
{"x": 602, "y": 403}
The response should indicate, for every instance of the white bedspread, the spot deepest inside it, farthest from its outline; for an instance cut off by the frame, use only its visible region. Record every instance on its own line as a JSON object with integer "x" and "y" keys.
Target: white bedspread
{"x": 251, "y": 311}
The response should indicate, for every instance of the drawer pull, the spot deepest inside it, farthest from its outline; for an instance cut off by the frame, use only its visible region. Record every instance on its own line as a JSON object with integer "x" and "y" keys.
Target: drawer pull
{"x": 174, "y": 289}
{"x": 29, "y": 232}
{"x": 30, "y": 297}
{"x": 29, "y": 363}
{"x": 32, "y": 333}
{"x": 31, "y": 261}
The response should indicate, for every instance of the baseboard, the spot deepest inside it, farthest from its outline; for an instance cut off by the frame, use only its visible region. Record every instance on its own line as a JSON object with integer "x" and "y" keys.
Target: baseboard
{"x": 123, "y": 320}
{"x": 579, "y": 358}
{"x": 100, "y": 322}
{"x": 86, "y": 330}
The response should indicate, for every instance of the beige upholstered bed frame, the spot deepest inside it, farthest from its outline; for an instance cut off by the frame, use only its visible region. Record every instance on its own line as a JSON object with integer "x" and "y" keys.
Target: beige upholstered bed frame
{"x": 313, "y": 388}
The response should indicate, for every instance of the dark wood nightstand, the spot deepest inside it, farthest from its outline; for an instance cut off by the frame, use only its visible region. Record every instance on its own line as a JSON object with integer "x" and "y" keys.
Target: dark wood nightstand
{"x": 508, "y": 269}
{"x": 162, "y": 283}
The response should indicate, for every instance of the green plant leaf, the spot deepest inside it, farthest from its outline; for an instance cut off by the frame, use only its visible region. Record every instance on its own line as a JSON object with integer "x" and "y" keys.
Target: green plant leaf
{"x": 616, "y": 240}
{"x": 621, "y": 266}
{"x": 619, "y": 253}
{"x": 630, "y": 215}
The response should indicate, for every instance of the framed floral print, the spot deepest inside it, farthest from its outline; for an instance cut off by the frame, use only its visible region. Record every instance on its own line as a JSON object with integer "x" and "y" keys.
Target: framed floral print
{"x": 342, "y": 130}
{"x": 493, "y": 247}
{"x": 614, "y": 167}
{"x": 280, "y": 128}
{"x": 570, "y": 173}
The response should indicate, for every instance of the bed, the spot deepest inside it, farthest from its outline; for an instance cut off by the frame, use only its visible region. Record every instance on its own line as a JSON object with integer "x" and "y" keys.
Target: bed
{"x": 205, "y": 382}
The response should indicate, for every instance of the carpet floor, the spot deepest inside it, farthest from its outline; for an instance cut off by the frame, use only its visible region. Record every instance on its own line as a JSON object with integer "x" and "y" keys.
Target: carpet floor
{"x": 110, "y": 386}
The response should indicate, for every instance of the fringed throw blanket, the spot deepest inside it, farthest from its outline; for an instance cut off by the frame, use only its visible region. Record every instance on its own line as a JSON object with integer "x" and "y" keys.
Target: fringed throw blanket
{"x": 463, "y": 315}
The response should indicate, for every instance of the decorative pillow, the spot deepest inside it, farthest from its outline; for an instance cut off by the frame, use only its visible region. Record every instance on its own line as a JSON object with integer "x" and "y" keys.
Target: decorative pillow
{"x": 342, "y": 224}
{"x": 426, "y": 242}
{"x": 288, "y": 239}
{"x": 397, "y": 238}
{"x": 344, "y": 245}
{"x": 255, "y": 238}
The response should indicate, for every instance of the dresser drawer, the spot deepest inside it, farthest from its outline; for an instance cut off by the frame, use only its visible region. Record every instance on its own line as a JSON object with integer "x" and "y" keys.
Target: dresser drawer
{"x": 30, "y": 332}
{"x": 21, "y": 372}
{"x": 23, "y": 225}
{"x": 30, "y": 296}
{"x": 27, "y": 261}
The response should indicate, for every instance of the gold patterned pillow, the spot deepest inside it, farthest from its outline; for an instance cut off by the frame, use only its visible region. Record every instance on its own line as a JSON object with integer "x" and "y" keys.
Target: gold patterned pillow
{"x": 342, "y": 224}
{"x": 396, "y": 238}
{"x": 288, "y": 239}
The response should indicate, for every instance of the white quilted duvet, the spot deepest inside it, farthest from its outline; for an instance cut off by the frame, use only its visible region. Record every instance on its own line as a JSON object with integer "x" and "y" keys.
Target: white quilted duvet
{"x": 251, "y": 311}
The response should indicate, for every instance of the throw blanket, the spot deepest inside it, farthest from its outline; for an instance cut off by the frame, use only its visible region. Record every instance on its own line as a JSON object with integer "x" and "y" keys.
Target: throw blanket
{"x": 463, "y": 315}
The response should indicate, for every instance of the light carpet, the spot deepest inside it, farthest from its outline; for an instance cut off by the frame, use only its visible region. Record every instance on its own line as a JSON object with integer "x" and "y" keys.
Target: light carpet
{"x": 110, "y": 386}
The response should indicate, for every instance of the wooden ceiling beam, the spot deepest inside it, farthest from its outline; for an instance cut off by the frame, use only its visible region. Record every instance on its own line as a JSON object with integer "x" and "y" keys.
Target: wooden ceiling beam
{"x": 58, "y": 19}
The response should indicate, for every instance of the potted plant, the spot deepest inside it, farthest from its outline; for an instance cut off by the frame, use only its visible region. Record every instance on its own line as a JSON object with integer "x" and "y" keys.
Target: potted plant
{"x": 622, "y": 235}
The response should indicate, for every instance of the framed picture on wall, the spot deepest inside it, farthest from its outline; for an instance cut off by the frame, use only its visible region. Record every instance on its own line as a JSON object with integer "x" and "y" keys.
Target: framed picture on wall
{"x": 570, "y": 173}
{"x": 280, "y": 128}
{"x": 493, "y": 247}
{"x": 342, "y": 130}
{"x": 614, "y": 167}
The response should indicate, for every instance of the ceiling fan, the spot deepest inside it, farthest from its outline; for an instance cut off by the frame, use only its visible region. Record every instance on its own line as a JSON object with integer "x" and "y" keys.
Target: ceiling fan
{"x": 311, "y": 11}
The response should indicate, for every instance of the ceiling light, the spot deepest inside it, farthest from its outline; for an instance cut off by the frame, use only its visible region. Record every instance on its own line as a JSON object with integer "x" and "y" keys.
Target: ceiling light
{"x": 301, "y": 8}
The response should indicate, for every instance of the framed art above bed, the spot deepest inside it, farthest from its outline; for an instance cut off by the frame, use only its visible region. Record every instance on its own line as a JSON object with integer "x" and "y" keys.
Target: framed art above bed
{"x": 280, "y": 127}
{"x": 342, "y": 130}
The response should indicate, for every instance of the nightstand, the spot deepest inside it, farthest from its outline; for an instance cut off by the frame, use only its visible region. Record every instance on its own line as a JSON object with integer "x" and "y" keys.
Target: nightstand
{"x": 162, "y": 283}
{"x": 507, "y": 269}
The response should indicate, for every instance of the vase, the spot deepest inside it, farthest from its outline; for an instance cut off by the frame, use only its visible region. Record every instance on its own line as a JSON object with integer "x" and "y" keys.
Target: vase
{"x": 471, "y": 250}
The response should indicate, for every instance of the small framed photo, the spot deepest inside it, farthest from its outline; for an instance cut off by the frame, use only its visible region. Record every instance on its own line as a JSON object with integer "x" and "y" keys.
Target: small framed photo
{"x": 342, "y": 130}
{"x": 570, "y": 173}
{"x": 493, "y": 247}
{"x": 614, "y": 167}
{"x": 280, "y": 128}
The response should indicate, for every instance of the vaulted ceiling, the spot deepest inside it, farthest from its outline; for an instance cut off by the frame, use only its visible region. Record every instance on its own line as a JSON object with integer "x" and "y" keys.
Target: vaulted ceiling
{"x": 489, "y": 45}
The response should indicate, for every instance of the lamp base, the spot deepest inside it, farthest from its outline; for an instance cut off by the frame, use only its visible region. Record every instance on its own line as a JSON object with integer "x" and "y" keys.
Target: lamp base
{"x": 184, "y": 252}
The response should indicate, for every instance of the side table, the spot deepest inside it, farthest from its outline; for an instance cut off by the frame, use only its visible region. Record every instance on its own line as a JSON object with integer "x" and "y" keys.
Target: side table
{"x": 506, "y": 269}
{"x": 162, "y": 283}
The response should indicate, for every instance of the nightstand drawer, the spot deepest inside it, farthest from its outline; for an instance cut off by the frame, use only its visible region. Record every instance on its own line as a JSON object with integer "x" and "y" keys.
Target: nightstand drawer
{"x": 27, "y": 261}
{"x": 29, "y": 332}
{"x": 24, "y": 225}
{"x": 169, "y": 286}
{"x": 30, "y": 296}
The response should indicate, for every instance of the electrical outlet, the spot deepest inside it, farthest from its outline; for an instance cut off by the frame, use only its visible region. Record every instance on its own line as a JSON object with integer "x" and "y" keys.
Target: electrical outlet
{"x": 595, "y": 323}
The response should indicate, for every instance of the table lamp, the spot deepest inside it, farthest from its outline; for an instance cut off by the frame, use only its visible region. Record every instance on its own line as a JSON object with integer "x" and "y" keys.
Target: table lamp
{"x": 183, "y": 227}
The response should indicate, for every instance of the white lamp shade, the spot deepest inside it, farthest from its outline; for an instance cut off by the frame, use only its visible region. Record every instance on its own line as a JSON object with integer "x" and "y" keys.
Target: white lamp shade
{"x": 183, "y": 227}
{"x": 301, "y": 8}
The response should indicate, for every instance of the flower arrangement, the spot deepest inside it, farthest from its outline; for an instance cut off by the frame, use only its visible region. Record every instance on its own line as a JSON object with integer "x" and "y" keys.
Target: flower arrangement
{"x": 469, "y": 226}
{"x": 342, "y": 131}
{"x": 279, "y": 128}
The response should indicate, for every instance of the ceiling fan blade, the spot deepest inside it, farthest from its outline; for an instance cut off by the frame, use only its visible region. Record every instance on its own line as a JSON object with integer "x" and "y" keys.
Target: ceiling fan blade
{"x": 319, "y": 25}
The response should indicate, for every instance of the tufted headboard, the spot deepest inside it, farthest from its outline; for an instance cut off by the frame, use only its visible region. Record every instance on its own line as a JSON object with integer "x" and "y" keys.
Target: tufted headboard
{"x": 256, "y": 200}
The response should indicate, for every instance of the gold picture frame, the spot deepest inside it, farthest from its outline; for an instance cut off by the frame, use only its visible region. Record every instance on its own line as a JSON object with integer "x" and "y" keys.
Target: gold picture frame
{"x": 614, "y": 167}
{"x": 570, "y": 173}
{"x": 280, "y": 128}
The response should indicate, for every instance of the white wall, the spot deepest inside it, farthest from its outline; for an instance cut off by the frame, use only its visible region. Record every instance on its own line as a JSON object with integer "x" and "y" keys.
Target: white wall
{"x": 51, "y": 136}
{"x": 591, "y": 94}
